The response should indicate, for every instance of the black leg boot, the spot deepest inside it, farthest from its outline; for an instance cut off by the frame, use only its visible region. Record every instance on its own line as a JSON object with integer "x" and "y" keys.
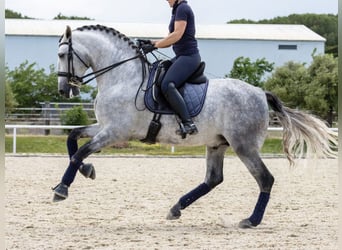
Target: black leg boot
{"x": 176, "y": 101}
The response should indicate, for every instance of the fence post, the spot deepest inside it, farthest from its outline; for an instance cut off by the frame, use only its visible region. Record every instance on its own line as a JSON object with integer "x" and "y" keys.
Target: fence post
{"x": 14, "y": 140}
{"x": 47, "y": 116}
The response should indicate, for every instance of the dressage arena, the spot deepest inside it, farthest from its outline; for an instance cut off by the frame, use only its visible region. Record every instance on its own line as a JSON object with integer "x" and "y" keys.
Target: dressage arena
{"x": 126, "y": 205}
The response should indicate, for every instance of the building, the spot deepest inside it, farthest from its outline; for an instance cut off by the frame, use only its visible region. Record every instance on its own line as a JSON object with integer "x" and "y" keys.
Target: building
{"x": 37, "y": 41}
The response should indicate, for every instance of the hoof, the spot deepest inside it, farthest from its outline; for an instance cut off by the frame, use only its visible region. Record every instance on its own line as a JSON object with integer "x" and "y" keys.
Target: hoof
{"x": 57, "y": 198}
{"x": 245, "y": 224}
{"x": 88, "y": 170}
{"x": 60, "y": 192}
{"x": 174, "y": 213}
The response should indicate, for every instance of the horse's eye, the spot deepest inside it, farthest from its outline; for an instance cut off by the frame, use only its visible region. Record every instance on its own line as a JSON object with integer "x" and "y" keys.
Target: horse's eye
{"x": 61, "y": 55}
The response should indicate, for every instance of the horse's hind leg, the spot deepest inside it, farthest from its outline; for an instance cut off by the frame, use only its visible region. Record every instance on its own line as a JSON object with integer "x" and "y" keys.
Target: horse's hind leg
{"x": 214, "y": 176}
{"x": 265, "y": 180}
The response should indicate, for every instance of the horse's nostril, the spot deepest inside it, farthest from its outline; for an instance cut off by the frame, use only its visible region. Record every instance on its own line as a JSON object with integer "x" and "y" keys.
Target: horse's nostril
{"x": 61, "y": 92}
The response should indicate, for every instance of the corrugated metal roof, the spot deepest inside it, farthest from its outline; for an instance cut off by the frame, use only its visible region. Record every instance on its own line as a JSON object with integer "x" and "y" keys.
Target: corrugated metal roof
{"x": 149, "y": 30}
{"x": 259, "y": 32}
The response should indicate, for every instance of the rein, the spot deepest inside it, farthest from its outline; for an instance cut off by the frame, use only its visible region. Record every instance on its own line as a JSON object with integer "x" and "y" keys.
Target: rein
{"x": 75, "y": 80}
{"x": 106, "y": 69}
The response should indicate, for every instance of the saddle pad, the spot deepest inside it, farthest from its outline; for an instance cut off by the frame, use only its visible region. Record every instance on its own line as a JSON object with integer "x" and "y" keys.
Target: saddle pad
{"x": 193, "y": 94}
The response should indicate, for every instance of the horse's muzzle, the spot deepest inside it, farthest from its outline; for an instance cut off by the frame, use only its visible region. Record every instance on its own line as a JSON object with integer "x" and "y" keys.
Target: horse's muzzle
{"x": 68, "y": 91}
{"x": 61, "y": 92}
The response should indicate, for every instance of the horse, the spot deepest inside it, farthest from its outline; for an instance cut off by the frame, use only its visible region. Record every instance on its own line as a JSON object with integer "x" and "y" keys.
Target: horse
{"x": 235, "y": 114}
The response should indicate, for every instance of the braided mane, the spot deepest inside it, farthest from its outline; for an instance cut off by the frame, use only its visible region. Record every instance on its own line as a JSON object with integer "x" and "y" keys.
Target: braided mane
{"x": 112, "y": 31}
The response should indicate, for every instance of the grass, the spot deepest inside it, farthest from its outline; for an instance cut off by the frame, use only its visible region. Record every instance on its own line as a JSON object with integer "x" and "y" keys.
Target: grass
{"x": 57, "y": 145}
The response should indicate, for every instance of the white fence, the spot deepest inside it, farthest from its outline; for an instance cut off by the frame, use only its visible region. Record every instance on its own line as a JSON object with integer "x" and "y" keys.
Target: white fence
{"x": 15, "y": 127}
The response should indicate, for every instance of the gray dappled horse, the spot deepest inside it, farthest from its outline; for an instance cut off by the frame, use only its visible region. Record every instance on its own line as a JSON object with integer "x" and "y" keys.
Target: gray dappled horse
{"x": 235, "y": 114}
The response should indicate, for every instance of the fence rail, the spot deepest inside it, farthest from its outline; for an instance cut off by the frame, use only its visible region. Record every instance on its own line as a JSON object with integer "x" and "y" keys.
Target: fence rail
{"x": 15, "y": 127}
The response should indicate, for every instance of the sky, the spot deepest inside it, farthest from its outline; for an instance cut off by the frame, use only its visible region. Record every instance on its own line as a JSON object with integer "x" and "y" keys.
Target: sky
{"x": 158, "y": 11}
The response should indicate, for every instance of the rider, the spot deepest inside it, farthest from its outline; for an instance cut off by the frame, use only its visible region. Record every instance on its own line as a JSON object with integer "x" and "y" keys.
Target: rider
{"x": 182, "y": 39}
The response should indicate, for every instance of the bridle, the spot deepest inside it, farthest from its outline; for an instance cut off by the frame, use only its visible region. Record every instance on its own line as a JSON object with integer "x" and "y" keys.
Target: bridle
{"x": 77, "y": 81}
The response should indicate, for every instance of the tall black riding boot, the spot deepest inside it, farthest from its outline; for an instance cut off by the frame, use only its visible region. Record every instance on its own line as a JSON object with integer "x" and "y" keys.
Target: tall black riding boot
{"x": 176, "y": 101}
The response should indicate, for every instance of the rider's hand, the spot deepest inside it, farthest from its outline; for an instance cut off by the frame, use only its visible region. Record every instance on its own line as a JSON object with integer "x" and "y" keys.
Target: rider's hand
{"x": 143, "y": 42}
{"x": 146, "y": 45}
{"x": 147, "y": 48}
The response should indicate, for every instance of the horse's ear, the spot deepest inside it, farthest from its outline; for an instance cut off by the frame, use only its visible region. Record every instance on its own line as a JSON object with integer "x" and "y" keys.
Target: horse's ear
{"x": 68, "y": 32}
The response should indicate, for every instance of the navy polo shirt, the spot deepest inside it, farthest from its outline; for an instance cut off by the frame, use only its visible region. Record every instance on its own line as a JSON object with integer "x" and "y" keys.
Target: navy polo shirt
{"x": 187, "y": 45}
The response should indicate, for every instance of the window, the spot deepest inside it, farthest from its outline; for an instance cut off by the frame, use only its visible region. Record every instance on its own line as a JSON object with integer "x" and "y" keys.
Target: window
{"x": 287, "y": 47}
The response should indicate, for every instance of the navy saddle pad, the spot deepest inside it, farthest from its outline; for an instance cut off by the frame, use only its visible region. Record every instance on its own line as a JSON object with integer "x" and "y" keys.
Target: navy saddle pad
{"x": 193, "y": 94}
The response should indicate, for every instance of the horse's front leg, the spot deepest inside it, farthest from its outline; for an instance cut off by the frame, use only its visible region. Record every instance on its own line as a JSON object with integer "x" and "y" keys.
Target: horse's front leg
{"x": 214, "y": 176}
{"x": 87, "y": 169}
{"x": 99, "y": 141}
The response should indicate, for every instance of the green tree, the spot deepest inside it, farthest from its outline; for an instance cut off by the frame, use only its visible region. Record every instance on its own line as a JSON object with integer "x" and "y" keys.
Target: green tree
{"x": 75, "y": 116}
{"x": 325, "y": 25}
{"x": 12, "y": 14}
{"x": 251, "y": 72}
{"x": 322, "y": 96}
{"x": 31, "y": 86}
{"x": 10, "y": 101}
{"x": 313, "y": 88}
{"x": 62, "y": 17}
{"x": 289, "y": 83}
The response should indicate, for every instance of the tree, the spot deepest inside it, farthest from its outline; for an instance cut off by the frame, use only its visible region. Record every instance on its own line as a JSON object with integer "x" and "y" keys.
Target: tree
{"x": 325, "y": 25}
{"x": 10, "y": 102}
{"x": 31, "y": 86}
{"x": 289, "y": 83}
{"x": 251, "y": 72}
{"x": 62, "y": 17}
{"x": 75, "y": 116}
{"x": 12, "y": 14}
{"x": 314, "y": 88}
{"x": 322, "y": 96}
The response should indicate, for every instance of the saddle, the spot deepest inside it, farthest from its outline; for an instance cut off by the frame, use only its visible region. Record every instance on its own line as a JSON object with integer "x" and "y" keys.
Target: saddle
{"x": 194, "y": 91}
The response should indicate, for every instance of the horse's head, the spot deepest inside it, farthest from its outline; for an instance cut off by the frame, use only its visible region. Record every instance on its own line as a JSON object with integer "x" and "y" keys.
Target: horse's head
{"x": 71, "y": 66}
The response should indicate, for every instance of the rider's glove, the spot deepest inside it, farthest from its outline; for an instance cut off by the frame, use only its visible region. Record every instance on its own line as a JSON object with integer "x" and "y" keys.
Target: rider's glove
{"x": 147, "y": 48}
{"x": 146, "y": 45}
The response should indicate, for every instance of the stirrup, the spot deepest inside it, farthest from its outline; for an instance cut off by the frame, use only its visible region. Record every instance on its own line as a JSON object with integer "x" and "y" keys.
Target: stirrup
{"x": 186, "y": 128}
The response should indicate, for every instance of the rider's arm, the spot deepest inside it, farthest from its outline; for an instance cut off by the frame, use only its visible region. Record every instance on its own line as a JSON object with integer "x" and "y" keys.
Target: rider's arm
{"x": 173, "y": 37}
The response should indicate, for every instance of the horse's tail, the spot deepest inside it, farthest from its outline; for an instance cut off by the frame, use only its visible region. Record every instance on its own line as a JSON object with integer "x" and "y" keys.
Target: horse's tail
{"x": 303, "y": 132}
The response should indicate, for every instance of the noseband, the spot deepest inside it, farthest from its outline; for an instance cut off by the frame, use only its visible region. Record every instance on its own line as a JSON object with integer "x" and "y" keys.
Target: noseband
{"x": 77, "y": 81}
